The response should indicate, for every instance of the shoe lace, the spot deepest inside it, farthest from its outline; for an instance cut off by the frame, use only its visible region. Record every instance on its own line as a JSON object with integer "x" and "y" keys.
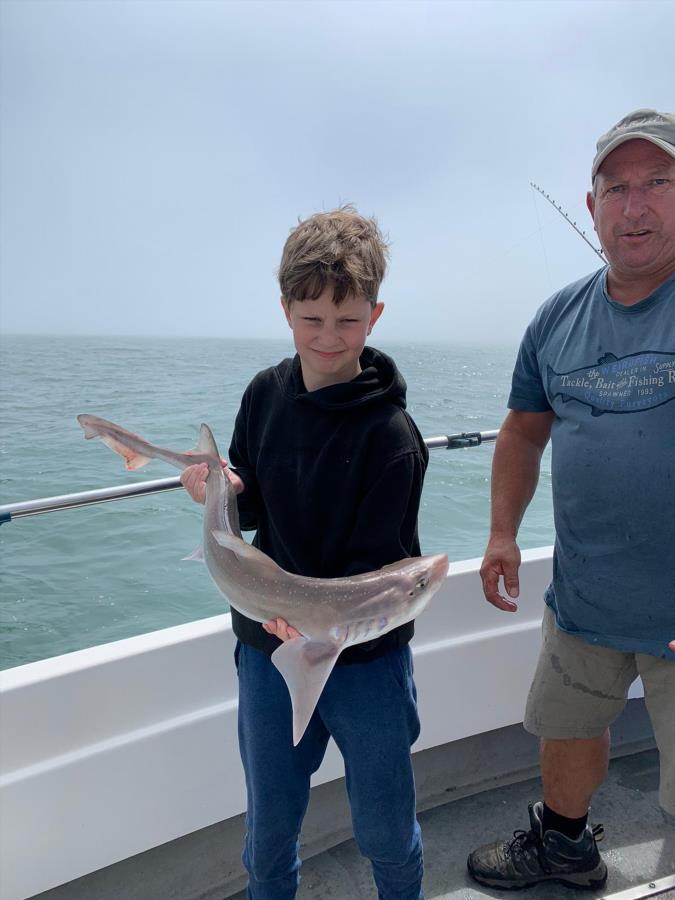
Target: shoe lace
{"x": 521, "y": 843}
{"x": 527, "y": 840}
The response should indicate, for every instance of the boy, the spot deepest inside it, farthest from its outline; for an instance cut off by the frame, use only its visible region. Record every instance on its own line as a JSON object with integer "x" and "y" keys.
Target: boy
{"x": 329, "y": 474}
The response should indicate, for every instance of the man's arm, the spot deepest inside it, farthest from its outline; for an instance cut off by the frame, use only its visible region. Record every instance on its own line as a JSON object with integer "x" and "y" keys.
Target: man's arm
{"x": 515, "y": 473}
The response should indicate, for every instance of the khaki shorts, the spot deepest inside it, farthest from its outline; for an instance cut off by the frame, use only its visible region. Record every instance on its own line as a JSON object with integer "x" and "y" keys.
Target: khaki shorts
{"x": 579, "y": 689}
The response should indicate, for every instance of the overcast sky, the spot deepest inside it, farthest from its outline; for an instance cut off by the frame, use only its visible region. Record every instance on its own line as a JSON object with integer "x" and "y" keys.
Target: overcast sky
{"x": 155, "y": 154}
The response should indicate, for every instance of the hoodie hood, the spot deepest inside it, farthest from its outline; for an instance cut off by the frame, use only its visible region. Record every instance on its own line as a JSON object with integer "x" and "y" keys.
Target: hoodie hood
{"x": 379, "y": 380}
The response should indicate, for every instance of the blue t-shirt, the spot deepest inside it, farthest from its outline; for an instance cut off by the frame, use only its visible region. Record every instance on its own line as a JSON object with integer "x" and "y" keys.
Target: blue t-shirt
{"x": 608, "y": 373}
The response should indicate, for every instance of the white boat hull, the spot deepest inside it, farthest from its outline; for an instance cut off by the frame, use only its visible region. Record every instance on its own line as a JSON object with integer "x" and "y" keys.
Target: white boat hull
{"x": 113, "y": 750}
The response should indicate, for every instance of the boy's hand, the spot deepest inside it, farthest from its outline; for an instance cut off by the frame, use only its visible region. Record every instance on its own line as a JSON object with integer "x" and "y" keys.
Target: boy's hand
{"x": 281, "y": 629}
{"x": 194, "y": 478}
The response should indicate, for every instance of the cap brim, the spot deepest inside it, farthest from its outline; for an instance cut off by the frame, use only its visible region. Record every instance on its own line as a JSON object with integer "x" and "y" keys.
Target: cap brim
{"x": 633, "y": 136}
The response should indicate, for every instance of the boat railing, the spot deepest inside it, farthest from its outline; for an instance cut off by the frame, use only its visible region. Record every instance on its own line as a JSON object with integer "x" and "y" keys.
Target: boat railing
{"x": 10, "y": 511}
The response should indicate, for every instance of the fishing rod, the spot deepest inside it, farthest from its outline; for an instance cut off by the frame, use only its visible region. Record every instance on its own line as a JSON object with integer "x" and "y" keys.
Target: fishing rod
{"x": 574, "y": 225}
{"x": 11, "y": 511}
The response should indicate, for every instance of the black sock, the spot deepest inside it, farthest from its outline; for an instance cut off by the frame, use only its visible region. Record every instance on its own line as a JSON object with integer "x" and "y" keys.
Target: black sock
{"x": 571, "y": 828}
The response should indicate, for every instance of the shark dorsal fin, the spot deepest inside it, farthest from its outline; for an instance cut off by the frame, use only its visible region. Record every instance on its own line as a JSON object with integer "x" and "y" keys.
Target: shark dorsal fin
{"x": 247, "y": 552}
{"x": 207, "y": 443}
{"x": 305, "y": 666}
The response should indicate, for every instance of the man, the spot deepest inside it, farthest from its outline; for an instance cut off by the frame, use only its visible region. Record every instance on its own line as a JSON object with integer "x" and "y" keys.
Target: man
{"x": 596, "y": 374}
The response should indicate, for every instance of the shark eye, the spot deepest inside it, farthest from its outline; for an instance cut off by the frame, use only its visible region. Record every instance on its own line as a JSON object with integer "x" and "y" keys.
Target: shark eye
{"x": 422, "y": 583}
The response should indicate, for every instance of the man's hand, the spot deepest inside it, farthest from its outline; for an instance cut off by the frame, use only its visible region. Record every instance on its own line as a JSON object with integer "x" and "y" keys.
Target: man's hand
{"x": 672, "y": 645}
{"x": 281, "y": 629}
{"x": 194, "y": 478}
{"x": 502, "y": 558}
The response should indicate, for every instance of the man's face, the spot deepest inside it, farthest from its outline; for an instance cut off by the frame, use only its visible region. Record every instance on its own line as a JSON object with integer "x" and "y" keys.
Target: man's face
{"x": 633, "y": 209}
{"x": 329, "y": 338}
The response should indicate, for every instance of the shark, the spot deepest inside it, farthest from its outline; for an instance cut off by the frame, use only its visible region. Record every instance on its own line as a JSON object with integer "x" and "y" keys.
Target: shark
{"x": 331, "y": 614}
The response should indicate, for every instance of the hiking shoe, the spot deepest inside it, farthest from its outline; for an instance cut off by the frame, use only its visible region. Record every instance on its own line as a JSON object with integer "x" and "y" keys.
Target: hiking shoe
{"x": 534, "y": 856}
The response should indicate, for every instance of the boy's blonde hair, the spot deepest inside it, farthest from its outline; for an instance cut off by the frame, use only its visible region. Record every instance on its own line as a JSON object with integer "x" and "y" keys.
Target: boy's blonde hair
{"x": 340, "y": 249}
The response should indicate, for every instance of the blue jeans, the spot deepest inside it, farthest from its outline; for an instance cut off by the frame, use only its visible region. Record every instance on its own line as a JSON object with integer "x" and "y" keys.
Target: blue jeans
{"x": 370, "y": 710}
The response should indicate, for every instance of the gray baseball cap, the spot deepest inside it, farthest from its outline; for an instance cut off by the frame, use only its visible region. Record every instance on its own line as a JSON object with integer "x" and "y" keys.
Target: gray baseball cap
{"x": 647, "y": 124}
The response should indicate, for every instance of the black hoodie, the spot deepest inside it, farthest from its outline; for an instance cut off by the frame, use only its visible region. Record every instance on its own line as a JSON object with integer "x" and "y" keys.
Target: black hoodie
{"x": 333, "y": 480}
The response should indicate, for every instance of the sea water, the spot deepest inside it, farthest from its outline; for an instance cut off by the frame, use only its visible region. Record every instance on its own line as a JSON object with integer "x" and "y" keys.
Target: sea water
{"x": 84, "y": 577}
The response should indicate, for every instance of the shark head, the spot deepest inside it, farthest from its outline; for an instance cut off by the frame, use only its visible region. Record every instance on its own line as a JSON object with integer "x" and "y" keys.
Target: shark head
{"x": 416, "y": 580}
{"x": 393, "y": 595}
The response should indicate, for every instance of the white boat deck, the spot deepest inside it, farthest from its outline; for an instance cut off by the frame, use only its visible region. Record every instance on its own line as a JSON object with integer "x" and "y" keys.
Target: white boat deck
{"x": 639, "y": 847}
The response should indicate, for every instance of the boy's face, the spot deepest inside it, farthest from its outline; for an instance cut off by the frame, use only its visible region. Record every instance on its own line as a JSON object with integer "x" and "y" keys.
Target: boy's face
{"x": 329, "y": 338}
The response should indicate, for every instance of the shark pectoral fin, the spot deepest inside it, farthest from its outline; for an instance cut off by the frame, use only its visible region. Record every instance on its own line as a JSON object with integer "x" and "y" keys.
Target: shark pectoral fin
{"x": 197, "y": 555}
{"x": 305, "y": 666}
{"x": 246, "y": 552}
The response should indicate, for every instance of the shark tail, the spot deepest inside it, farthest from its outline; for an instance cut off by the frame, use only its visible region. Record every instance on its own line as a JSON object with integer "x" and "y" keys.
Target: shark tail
{"x": 137, "y": 452}
{"x": 305, "y": 666}
{"x": 133, "y": 458}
